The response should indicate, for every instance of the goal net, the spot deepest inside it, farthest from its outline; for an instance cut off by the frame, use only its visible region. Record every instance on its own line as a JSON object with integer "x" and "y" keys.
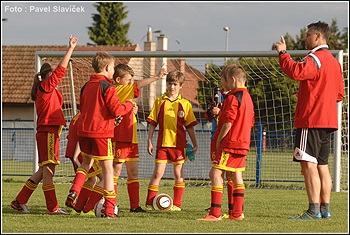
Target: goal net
{"x": 274, "y": 95}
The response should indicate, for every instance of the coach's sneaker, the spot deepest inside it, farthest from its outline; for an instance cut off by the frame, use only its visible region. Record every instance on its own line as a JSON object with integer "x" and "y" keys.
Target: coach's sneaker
{"x": 149, "y": 208}
{"x": 307, "y": 216}
{"x": 59, "y": 211}
{"x": 137, "y": 210}
{"x": 19, "y": 207}
{"x": 71, "y": 199}
{"x": 326, "y": 215}
{"x": 175, "y": 208}
{"x": 210, "y": 218}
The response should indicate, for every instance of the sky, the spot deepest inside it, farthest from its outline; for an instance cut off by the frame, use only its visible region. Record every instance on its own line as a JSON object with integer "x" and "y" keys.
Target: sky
{"x": 188, "y": 25}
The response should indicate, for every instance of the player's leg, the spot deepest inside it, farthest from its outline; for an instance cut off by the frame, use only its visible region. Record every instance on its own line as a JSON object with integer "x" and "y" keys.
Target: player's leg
{"x": 153, "y": 186}
{"x": 179, "y": 186}
{"x": 133, "y": 186}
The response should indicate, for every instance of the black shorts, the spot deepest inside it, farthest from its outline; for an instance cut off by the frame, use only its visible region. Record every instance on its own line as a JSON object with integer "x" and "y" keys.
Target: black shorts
{"x": 312, "y": 145}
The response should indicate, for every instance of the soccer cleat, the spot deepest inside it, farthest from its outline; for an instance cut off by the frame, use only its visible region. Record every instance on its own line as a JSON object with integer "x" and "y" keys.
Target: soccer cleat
{"x": 75, "y": 213}
{"x": 326, "y": 215}
{"x": 88, "y": 214}
{"x": 210, "y": 218}
{"x": 71, "y": 199}
{"x": 137, "y": 210}
{"x": 241, "y": 217}
{"x": 306, "y": 216}
{"x": 149, "y": 208}
{"x": 59, "y": 211}
{"x": 175, "y": 208}
{"x": 19, "y": 207}
{"x": 111, "y": 217}
{"x": 225, "y": 216}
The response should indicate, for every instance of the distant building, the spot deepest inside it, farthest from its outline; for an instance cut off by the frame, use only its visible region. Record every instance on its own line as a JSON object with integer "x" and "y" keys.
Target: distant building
{"x": 18, "y": 70}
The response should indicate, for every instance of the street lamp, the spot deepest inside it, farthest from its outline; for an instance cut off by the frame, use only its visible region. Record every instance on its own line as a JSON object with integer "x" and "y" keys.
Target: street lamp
{"x": 226, "y": 29}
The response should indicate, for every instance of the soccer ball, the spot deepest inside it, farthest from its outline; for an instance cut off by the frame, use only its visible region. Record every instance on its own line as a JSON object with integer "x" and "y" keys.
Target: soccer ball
{"x": 100, "y": 208}
{"x": 162, "y": 202}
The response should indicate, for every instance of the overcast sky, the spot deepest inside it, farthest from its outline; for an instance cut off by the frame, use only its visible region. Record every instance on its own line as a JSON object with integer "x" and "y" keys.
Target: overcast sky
{"x": 189, "y": 26}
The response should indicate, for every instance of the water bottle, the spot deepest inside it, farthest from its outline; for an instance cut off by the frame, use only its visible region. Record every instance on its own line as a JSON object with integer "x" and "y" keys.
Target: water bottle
{"x": 189, "y": 153}
{"x": 217, "y": 95}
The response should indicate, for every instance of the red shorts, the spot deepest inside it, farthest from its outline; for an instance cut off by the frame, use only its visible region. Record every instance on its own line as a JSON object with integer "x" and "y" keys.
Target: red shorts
{"x": 125, "y": 152}
{"x": 229, "y": 162}
{"x": 170, "y": 155}
{"x": 98, "y": 149}
{"x": 48, "y": 148}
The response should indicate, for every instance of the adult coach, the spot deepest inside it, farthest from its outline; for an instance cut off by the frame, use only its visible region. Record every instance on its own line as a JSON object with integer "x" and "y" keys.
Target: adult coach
{"x": 321, "y": 87}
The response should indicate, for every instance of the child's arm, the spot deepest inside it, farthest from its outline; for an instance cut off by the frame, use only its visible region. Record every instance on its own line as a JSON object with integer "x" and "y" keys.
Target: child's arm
{"x": 146, "y": 81}
{"x": 192, "y": 134}
{"x": 72, "y": 43}
{"x": 152, "y": 127}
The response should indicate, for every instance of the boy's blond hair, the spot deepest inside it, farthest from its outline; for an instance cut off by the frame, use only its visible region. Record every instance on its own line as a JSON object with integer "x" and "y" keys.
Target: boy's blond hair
{"x": 101, "y": 60}
{"x": 234, "y": 70}
{"x": 120, "y": 70}
{"x": 175, "y": 76}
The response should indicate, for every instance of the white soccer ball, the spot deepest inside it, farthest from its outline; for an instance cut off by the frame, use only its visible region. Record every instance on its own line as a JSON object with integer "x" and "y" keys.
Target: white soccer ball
{"x": 162, "y": 202}
{"x": 100, "y": 208}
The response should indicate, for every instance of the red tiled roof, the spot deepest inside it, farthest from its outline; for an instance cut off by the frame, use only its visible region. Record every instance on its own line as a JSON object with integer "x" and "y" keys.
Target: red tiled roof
{"x": 18, "y": 68}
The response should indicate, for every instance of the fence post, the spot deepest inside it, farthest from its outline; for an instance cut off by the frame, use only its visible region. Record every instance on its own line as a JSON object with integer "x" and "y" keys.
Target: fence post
{"x": 258, "y": 155}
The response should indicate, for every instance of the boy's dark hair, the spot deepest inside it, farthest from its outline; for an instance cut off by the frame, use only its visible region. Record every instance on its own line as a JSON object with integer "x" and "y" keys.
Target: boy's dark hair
{"x": 320, "y": 27}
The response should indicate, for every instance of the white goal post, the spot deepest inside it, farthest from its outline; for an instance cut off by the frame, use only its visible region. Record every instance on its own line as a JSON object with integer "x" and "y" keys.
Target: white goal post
{"x": 269, "y": 160}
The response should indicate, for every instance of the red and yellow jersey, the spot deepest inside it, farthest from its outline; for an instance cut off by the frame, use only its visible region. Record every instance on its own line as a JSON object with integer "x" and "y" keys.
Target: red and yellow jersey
{"x": 49, "y": 100}
{"x": 126, "y": 131}
{"x": 321, "y": 87}
{"x": 172, "y": 116}
{"x": 238, "y": 109}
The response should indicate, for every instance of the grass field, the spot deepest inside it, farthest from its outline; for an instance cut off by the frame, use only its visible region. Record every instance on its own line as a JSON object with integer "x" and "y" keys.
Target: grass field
{"x": 266, "y": 211}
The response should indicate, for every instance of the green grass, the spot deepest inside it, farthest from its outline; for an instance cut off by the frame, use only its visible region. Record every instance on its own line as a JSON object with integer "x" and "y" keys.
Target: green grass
{"x": 266, "y": 211}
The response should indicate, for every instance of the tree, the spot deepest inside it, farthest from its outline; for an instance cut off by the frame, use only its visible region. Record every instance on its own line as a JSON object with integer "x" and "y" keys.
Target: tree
{"x": 337, "y": 40}
{"x": 108, "y": 28}
{"x": 274, "y": 94}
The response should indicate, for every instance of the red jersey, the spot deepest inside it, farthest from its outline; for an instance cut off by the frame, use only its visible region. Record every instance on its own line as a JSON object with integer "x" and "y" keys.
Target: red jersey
{"x": 172, "y": 117}
{"x": 49, "y": 100}
{"x": 238, "y": 109}
{"x": 126, "y": 131}
{"x": 99, "y": 105}
{"x": 321, "y": 87}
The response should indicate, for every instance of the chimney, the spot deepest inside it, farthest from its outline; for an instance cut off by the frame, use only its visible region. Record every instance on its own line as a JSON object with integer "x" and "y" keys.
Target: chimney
{"x": 162, "y": 44}
{"x": 149, "y": 34}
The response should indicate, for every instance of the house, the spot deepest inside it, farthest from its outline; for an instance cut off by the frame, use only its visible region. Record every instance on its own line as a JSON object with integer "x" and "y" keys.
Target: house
{"x": 18, "y": 70}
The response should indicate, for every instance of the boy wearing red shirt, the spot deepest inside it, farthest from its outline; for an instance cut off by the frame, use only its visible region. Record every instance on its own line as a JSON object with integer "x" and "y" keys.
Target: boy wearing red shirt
{"x": 99, "y": 107}
{"x": 232, "y": 138}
